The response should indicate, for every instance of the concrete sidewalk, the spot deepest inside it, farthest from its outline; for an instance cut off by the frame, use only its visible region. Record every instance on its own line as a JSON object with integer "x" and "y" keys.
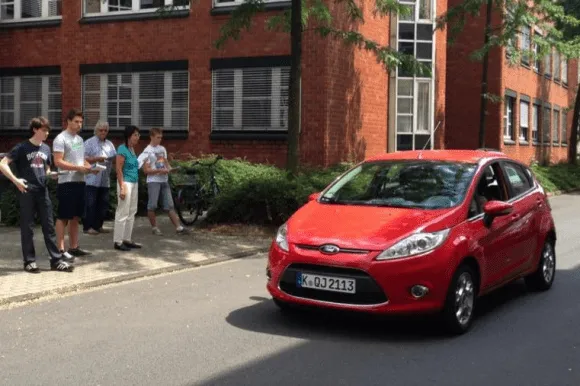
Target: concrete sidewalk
{"x": 159, "y": 254}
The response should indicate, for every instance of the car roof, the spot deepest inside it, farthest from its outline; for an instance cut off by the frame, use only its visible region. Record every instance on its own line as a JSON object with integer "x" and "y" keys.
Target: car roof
{"x": 467, "y": 156}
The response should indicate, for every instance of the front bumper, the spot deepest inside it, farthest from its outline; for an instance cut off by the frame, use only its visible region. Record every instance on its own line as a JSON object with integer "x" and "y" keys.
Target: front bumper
{"x": 382, "y": 287}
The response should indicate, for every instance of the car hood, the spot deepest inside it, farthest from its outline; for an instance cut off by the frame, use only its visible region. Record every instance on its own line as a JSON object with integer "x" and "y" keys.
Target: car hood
{"x": 359, "y": 227}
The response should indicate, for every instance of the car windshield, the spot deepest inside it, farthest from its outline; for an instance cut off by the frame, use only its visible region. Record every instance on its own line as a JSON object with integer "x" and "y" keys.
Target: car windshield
{"x": 403, "y": 184}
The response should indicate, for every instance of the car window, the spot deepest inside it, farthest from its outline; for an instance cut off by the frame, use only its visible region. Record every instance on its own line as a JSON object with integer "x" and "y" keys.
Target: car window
{"x": 490, "y": 187}
{"x": 517, "y": 178}
{"x": 405, "y": 184}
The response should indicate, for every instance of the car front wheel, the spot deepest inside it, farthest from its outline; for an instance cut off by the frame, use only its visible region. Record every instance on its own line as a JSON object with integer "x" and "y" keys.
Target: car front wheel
{"x": 543, "y": 277}
{"x": 460, "y": 302}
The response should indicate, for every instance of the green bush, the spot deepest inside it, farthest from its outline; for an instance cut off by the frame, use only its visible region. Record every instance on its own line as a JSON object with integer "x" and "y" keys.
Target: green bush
{"x": 559, "y": 177}
{"x": 262, "y": 194}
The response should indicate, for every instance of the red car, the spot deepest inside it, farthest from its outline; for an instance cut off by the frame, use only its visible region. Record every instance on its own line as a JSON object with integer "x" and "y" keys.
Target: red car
{"x": 416, "y": 232}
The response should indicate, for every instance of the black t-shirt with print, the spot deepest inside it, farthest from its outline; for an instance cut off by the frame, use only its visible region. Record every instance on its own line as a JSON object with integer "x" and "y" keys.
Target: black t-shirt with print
{"x": 30, "y": 162}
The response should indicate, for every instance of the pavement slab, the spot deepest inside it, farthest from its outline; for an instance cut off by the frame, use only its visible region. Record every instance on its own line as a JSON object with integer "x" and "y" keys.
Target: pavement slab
{"x": 159, "y": 254}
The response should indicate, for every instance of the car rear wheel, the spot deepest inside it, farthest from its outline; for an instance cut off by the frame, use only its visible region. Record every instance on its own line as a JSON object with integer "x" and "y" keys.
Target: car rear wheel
{"x": 543, "y": 277}
{"x": 460, "y": 302}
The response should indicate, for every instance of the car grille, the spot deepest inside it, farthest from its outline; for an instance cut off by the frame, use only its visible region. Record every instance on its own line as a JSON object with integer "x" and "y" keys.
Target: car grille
{"x": 368, "y": 291}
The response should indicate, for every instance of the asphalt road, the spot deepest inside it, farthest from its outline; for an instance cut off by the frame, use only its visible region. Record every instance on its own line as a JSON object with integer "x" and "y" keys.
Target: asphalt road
{"x": 216, "y": 326}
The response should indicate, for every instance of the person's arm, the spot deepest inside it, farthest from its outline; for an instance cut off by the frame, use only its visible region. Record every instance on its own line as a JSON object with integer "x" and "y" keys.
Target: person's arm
{"x": 150, "y": 171}
{"x": 5, "y": 169}
{"x": 120, "y": 162}
{"x": 91, "y": 153}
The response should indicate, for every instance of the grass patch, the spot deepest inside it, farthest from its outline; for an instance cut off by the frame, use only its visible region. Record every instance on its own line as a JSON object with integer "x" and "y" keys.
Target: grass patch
{"x": 559, "y": 177}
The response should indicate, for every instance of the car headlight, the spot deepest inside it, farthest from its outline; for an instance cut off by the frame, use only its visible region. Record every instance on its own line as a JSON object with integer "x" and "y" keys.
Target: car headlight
{"x": 281, "y": 239}
{"x": 415, "y": 244}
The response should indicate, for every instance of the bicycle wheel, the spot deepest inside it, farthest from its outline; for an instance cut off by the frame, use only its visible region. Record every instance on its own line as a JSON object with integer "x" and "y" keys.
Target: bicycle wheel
{"x": 187, "y": 205}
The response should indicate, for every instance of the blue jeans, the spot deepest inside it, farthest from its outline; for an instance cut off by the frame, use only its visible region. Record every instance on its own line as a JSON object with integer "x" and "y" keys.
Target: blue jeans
{"x": 96, "y": 207}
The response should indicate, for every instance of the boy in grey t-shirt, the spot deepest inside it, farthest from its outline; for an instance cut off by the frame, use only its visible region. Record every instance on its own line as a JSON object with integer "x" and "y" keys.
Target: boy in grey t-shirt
{"x": 69, "y": 155}
{"x": 156, "y": 167}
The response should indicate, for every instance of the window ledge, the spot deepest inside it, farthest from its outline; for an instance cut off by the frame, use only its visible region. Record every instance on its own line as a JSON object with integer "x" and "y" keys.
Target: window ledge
{"x": 524, "y": 142}
{"x": 217, "y": 135}
{"x": 36, "y": 23}
{"x": 134, "y": 16}
{"x": 564, "y": 145}
{"x": 555, "y": 145}
{"x": 508, "y": 141}
{"x": 273, "y": 6}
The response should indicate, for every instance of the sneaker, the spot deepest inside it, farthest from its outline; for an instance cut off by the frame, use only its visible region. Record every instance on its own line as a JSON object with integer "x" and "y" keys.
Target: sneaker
{"x": 92, "y": 232}
{"x": 61, "y": 265}
{"x": 67, "y": 257}
{"x": 31, "y": 267}
{"x": 183, "y": 231}
{"x": 104, "y": 230}
{"x": 78, "y": 252}
{"x": 156, "y": 231}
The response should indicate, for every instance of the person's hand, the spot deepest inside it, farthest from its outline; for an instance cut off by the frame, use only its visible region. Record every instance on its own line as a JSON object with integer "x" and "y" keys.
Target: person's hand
{"x": 123, "y": 192}
{"x": 20, "y": 184}
{"x": 101, "y": 159}
{"x": 85, "y": 169}
{"x": 54, "y": 175}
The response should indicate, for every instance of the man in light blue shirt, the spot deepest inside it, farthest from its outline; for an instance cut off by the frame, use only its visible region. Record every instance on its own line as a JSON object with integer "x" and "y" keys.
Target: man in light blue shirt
{"x": 98, "y": 149}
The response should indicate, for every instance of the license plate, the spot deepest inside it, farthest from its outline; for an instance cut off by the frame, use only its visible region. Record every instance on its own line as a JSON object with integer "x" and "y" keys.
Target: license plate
{"x": 326, "y": 283}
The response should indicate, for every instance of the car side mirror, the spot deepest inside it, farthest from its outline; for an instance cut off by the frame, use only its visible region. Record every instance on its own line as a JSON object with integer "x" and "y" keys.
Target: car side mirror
{"x": 313, "y": 196}
{"x": 493, "y": 209}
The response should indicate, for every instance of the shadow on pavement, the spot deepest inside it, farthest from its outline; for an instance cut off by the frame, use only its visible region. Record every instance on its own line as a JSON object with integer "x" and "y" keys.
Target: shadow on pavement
{"x": 518, "y": 336}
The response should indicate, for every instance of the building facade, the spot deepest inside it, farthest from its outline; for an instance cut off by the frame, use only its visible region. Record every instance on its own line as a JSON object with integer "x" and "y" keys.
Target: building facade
{"x": 120, "y": 61}
{"x": 533, "y": 120}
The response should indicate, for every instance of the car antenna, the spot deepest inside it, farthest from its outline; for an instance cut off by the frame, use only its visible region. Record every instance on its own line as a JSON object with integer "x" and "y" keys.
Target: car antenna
{"x": 434, "y": 131}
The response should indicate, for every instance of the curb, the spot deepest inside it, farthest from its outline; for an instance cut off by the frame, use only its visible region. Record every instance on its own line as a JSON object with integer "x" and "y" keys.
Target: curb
{"x": 560, "y": 192}
{"x": 128, "y": 277}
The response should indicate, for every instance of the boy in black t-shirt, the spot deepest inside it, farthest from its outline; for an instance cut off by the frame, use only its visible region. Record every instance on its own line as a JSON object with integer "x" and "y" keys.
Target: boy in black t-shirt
{"x": 32, "y": 160}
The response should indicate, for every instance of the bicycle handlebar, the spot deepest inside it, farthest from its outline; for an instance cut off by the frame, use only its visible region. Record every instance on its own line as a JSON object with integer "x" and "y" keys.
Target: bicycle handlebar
{"x": 219, "y": 157}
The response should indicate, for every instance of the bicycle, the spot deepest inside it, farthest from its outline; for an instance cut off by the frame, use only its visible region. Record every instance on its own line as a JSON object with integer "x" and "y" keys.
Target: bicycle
{"x": 192, "y": 198}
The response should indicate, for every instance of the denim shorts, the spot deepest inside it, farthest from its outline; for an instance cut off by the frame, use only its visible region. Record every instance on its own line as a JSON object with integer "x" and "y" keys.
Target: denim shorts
{"x": 157, "y": 191}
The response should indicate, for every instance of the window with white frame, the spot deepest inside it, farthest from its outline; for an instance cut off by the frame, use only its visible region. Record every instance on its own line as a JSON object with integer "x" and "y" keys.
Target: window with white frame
{"x": 564, "y": 127}
{"x": 95, "y": 7}
{"x": 548, "y": 64}
{"x": 556, "y": 127}
{"x": 525, "y": 44}
{"x": 565, "y": 70}
{"x": 508, "y": 118}
{"x": 25, "y": 10}
{"x": 225, "y": 3}
{"x": 537, "y": 63}
{"x": 557, "y": 66}
{"x": 535, "y": 123}
{"x": 546, "y": 125}
{"x": 252, "y": 99}
{"x": 524, "y": 120}
{"x": 25, "y": 97}
{"x": 415, "y": 98}
{"x": 146, "y": 99}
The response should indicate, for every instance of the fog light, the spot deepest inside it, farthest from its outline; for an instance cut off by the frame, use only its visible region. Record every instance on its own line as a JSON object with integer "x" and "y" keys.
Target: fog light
{"x": 418, "y": 291}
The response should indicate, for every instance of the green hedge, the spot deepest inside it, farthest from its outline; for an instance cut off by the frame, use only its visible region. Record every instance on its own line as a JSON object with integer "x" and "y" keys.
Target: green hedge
{"x": 559, "y": 177}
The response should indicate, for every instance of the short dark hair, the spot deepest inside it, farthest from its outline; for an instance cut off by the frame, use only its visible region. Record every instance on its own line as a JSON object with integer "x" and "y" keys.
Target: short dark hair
{"x": 129, "y": 130}
{"x": 38, "y": 123}
{"x": 72, "y": 113}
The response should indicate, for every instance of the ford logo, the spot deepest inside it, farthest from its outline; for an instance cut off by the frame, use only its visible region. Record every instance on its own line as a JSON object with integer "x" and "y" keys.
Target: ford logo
{"x": 329, "y": 249}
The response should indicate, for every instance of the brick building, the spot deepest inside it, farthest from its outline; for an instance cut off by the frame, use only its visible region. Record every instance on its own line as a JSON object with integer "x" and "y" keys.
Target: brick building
{"x": 533, "y": 120}
{"x": 120, "y": 62}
